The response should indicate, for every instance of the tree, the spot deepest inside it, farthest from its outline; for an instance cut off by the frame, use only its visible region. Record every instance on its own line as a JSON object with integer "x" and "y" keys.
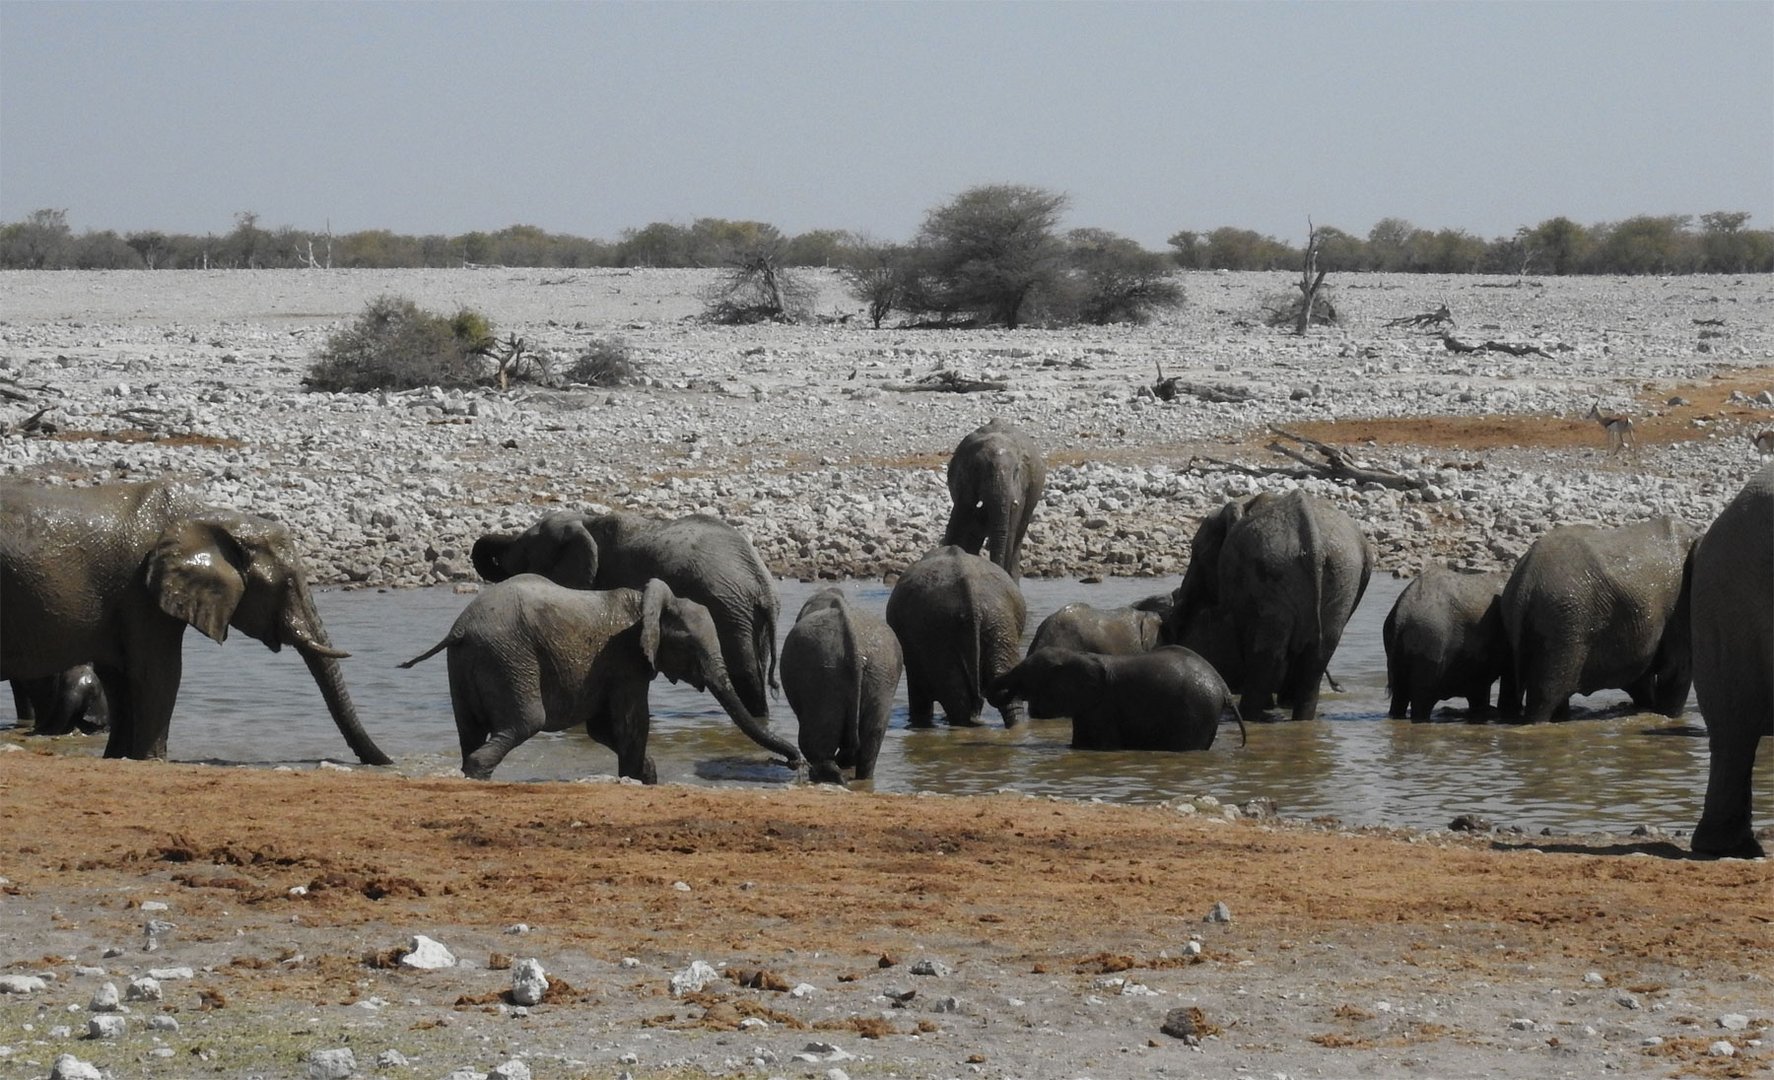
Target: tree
{"x": 1111, "y": 278}
{"x": 1388, "y": 244}
{"x": 876, "y": 274}
{"x": 658, "y": 244}
{"x": 40, "y": 242}
{"x": 756, "y": 286}
{"x": 1561, "y": 242}
{"x": 989, "y": 250}
{"x": 1191, "y": 249}
{"x": 1645, "y": 244}
{"x": 1724, "y": 243}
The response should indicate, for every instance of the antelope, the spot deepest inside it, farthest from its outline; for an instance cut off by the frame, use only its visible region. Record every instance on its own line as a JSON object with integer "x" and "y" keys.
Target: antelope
{"x": 1619, "y": 429}
{"x": 1763, "y": 441}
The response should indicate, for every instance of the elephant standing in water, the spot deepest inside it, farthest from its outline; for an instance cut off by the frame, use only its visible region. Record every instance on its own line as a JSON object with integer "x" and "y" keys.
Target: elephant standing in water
{"x": 1444, "y": 639}
{"x": 57, "y": 704}
{"x": 1122, "y": 631}
{"x": 996, "y": 477}
{"x": 1166, "y": 699}
{"x": 1590, "y": 609}
{"x": 701, "y": 558}
{"x": 112, "y": 575}
{"x": 959, "y": 619}
{"x": 528, "y": 655}
{"x": 840, "y": 667}
{"x": 1732, "y": 610}
{"x": 1271, "y": 582}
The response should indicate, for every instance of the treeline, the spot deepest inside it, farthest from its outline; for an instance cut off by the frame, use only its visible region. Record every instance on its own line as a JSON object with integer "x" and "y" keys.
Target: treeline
{"x": 1718, "y": 242}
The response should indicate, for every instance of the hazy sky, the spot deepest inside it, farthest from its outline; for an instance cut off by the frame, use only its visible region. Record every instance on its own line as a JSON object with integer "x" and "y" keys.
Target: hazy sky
{"x": 589, "y": 118}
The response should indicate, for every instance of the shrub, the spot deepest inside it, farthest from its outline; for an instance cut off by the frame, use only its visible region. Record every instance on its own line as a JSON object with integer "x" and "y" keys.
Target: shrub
{"x": 756, "y": 287}
{"x": 989, "y": 252}
{"x": 1283, "y": 309}
{"x": 1112, "y": 279}
{"x": 603, "y": 362}
{"x": 394, "y": 345}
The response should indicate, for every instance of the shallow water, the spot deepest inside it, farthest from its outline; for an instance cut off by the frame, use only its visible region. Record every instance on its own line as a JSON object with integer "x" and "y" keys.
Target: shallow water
{"x": 1607, "y": 769}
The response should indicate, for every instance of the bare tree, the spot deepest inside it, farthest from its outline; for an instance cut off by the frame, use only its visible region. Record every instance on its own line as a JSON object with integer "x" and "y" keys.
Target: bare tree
{"x": 1311, "y": 279}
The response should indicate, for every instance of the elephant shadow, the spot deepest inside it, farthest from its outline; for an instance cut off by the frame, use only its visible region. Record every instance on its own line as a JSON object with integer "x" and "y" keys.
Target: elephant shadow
{"x": 1661, "y": 849}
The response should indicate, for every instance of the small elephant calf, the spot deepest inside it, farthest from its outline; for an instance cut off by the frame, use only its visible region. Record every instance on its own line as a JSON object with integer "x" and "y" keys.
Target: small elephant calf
{"x": 840, "y": 667}
{"x": 1166, "y": 699}
{"x": 528, "y": 655}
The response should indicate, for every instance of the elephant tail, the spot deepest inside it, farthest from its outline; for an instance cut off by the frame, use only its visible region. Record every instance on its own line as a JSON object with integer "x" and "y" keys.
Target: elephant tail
{"x": 764, "y": 645}
{"x": 1243, "y": 735}
{"x": 450, "y": 639}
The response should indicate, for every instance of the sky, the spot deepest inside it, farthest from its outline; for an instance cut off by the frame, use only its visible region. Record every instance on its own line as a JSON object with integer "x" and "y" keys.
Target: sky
{"x": 592, "y": 118}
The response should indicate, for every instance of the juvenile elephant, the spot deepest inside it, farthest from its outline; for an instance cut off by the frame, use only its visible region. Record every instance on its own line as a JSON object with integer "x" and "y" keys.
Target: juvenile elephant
{"x": 1165, "y": 699}
{"x": 527, "y": 655}
{"x": 840, "y": 667}
{"x": 1271, "y": 582}
{"x": 1444, "y": 639}
{"x": 1121, "y": 631}
{"x": 701, "y": 557}
{"x": 57, "y": 704}
{"x": 112, "y": 575}
{"x": 1732, "y": 610}
{"x": 959, "y": 619}
{"x": 996, "y": 477}
{"x": 1589, "y": 609}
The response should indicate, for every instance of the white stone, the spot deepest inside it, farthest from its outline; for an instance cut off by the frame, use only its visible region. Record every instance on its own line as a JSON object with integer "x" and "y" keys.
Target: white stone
{"x": 1521, "y": 1023}
{"x": 334, "y": 1064}
{"x": 163, "y": 1023}
{"x": 1219, "y": 913}
{"x": 693, "y": 978}
{"x": 105, "y": 999}
{"x": 108, "y": 1026}
{"x": 528, "y": 982}
{"x": 146, "y": 988}
{"x": 514, "y": 1069}
{"x": 21, "y": 984}
{"x": 1722, "y": 1048}
{"x": 424, "y": 954}
{"x": 803, "y": 990}
{"x": 1734, "y": 1021}
{"x": 163, "y": 974}
{"x": 69, "y": 1067}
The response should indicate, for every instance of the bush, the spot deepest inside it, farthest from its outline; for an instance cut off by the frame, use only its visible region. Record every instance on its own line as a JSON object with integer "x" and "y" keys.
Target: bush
{"x": 1283, "y": 309}
{"x": 1111, "y": 279}
{"x": 393, "y": 345}
{"x": 603, "y": 362}
{"x": 988, "y": 253}
{"x": 757, "y": 287}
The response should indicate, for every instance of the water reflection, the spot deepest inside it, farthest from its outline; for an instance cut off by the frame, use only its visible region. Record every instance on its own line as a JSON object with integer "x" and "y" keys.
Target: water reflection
{"x": 1610, "y": 768}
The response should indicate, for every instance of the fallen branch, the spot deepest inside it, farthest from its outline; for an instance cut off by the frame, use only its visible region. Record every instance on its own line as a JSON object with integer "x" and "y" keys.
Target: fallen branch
{"x": 1438, "y": 317}
{"x": 1167, "y": 389}
{"x": 1455, "y": 345}
{"x": 947, "y": 382}
{"x": 1340, "y": 466}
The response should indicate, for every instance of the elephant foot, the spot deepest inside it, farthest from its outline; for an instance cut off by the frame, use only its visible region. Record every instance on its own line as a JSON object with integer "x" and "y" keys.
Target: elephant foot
{"x": 1741, "y": 847}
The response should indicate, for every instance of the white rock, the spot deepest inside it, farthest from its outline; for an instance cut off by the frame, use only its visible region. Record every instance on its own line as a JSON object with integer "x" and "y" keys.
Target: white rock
{"x": 69, "y": 1067}
{"x": 1722, "y": 1048}
{"x": 108, "y": 1026}
{"x": 424, "y": 954}
{"x": 803, "y": 990}
{"x": 163, "y": 1023}
{"x": 21, "y": 984}
{"x": 528, "y": 982}
{"x": 1734, "y": 1021}
{"x": 334, "y": 1064}
{"x": 693, "y": 978}
{"x": 391, "y": 1059}
{"x": 164, "y": 974}
{"x": 1521, "y": 1023}
{"x": 1219, "y": 913}
{"x": 514, "y": 1069}
{"x": 105, "y": 999}
{"x": 146, "y": 988}
{"x": 934, "y": 968}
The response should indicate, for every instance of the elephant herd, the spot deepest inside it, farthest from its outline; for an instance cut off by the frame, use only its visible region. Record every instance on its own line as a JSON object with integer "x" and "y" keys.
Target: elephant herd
{"x": 582, "y": 611}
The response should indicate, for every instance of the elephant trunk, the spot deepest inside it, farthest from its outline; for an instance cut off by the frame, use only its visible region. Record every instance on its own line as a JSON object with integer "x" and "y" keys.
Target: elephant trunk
{"x": 754, "y": 727}
{"x": 303, "y": 629}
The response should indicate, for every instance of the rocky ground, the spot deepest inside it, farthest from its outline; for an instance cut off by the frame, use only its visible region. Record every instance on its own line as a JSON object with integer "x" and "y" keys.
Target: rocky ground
{"x": 859, "y": 935}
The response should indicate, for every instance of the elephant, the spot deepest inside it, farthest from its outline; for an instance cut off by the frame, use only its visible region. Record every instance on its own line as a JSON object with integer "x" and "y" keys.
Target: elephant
{"x": 1166, "y": 699}
{"x": 959, "y": 619}
{"x": 996, "y": 476}
{"x": 111, "y": 575}
{"x": 1271, "y": 582}
{"x": 1444, "y": 639}
{"x": 1122, "y": 631}
{"x": 1589, "y": 608}
{"x": 57, "y": 704}
{"x": 840, "y": 668}
{"x": 528, "y": 655}
{"x": 701, "y": 557}
{"x": 1731, "y": 607}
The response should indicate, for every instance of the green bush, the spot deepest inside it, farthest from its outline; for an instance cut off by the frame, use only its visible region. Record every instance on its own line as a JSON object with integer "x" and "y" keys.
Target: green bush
{"x": 394, "y": 345}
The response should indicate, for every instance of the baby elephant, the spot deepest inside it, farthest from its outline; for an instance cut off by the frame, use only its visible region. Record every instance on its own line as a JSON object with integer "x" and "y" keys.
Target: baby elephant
{"x": 1166, "y": 699}
{"x": 840, "y": 667}
{"x": 528, "y": 655}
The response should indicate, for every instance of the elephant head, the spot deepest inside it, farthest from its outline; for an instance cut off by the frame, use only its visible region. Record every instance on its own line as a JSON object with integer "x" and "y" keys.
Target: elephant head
{"x": 560, "y": 547}
{"x": 223, "y": 569}
{"x": 1200, "y": 587}
{"x": 679, "y": 641}
{"x": 1055, "y": 682}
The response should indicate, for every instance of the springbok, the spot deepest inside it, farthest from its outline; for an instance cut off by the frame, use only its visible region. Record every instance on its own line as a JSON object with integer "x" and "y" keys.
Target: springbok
{"x": 1763, "y": 441}
{"x": 1619, "y": 429}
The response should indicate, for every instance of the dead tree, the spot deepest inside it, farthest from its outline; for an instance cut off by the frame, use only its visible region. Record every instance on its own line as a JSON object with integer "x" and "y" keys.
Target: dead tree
{"x": 1311, "y": 279}
{"x": 949, "y": 382}
{"x": 1441, "y": 316}
{"x": 1333, "y": 464}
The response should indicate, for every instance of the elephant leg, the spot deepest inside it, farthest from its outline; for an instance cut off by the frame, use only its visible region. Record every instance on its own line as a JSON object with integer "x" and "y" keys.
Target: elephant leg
{"x": 628, "y": 725}
{"x": 868, "y": 745}
{"x": 1422, "y": 706}
{"x": 151, "y": 689}
{"x": 920, "y": 702}
{"x": 1725, "y": 828}
{"x": 471, "y": 727}
{"x": 1670, "y": 697}
{"x": 1401, "y": 700}
{"x": 960, "y": 703}
{"x": 508, "y": 717}
{"x": 1478, "y": 699}
{"x": 1642, "y": 690}
{"x": 1509, "y": 704}
{"x": 965, "y": 530}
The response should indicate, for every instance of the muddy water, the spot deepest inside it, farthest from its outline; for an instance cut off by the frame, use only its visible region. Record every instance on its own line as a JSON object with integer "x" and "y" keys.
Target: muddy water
{"x": 1607, "y": 769}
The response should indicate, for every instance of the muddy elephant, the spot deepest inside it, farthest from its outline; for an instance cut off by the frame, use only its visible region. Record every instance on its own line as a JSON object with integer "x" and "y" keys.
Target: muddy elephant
{"x": 112, "y": 575}
{"x": 1732, "y": 608}
{"x": 959, "y": 619}
{"x": 528, "y": 655}
{"x": 840, "y": 669}
{"x": 701, "y": 558}
{"x": 996, "y": 476}
{"x": 1121, "y": 631}
{"x": 1165, "y": 699}
{"x": 1271, "y": 582}
{"x": 1444, "y": 639}
{"x": 57, "y": 704}
{"x": 1590, "y": 608}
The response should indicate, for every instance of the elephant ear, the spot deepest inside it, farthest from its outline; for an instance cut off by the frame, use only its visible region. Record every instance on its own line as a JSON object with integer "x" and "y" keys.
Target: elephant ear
{"x": 197, "y": 572}
{"x": 653, "y": 599}
{"x": 575, "y": 553}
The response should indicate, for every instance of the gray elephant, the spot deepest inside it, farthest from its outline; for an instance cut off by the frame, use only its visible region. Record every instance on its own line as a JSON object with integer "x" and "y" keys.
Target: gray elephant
{"x": 701, "y": 557}
{"x": 1165, "y": 699}
{"x": 1444, "y": 639}
{"x": 959, "y": 619}
{"x": 1732, "y": 609}
{"x": 57, "y": 704}
{"x": 1271, "y": 582}
{"x": 996, "y": 476}
{"x": 528, "y": 655}
{"x": 1121, "y": 631}
{"x": 840, "y": 668}
{"x": 1589, "y": 609}
{"x": 112, "y": 575}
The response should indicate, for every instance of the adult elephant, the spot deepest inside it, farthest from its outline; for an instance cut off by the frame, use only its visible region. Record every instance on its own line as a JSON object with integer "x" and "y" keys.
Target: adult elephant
{"x": 1732, "y": 606}
{"x": 57, "y": 704}
{"x": 840, "y": 668}
{"x": 528, "y": 655}
{"x": 1271, "y": 582}
{"x": 1121, "y": 631}
{"x": 1589, "y": 608}
{"x": 959, "y": 619}
{"x": 113, "y": 574}
{"x": 701, "y": 558}
{"x": 1444, "y": 639}
{"x": 996, "y": 477}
